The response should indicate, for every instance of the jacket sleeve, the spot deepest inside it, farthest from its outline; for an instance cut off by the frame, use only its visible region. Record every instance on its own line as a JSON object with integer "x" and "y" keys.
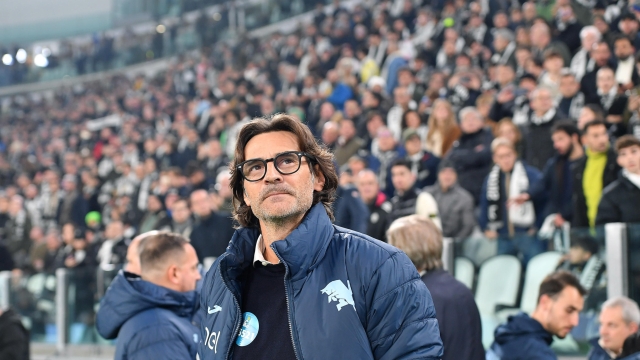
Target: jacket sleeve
{"x": 473, "y": 158}
{"x": 543, "y": 185}
{"x": 158, "y": 343}
{"x": 401, "y": 320}
{"x": 608, "y": 212}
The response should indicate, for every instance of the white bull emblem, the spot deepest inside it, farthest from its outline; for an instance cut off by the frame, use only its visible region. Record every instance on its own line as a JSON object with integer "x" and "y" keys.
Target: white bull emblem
{"x": 340, "y": 293}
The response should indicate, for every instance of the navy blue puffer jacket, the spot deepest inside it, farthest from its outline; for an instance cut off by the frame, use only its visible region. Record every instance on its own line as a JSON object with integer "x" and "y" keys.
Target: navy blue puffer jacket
{"x": 349, "y": 296}
{"x": 150, "y": 321}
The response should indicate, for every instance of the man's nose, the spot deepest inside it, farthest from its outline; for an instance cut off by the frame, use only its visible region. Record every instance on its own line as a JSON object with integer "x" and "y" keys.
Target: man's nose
{"x": 272, "y": 174}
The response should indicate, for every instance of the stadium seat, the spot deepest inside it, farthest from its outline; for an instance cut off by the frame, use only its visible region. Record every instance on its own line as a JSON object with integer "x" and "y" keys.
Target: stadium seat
{"x": 498, "y": 284}
{"x": 464, "y": 271}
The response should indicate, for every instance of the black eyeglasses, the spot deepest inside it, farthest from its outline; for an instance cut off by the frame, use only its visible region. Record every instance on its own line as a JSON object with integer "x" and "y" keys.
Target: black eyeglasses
{"x": 286, "y": 163}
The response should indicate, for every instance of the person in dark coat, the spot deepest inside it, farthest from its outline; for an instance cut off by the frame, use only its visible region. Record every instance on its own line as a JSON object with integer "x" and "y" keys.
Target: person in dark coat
{"x": 612, "y": 102}
{"x": 151, "y": 315}
{"x": 212, "y": 231}
{"x": 602, "y": 166}
{"x": 471, "y": 154}
{"x": 620, "y": 199}
{"x": 601, "y": 55}
{"x": 6, "y": 260}
{"x": 619, "y": 320}
{"x": 376, "y": 201}
{"x": 423, "y": 163}
{"x": 560, "y": 300}
{"x": 456, "y": 309}
{"x": 14, "y": 338}
{"x": 349, "y": 209}
{"x": 557, "y": 180}
{"x": 538, "y": 147}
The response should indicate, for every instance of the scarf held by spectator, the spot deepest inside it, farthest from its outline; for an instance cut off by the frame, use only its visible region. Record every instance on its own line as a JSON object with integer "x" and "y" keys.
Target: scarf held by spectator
{"x": 519, "y": 215}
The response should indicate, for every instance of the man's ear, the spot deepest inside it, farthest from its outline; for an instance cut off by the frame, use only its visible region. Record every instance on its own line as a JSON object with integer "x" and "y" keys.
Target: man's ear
{"x": 319, "y": 179}
{"x": 172, "y": 274}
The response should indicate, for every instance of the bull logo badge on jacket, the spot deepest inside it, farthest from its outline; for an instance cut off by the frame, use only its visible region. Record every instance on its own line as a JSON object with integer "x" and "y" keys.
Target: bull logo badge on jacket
{"x": 340, "y": 293}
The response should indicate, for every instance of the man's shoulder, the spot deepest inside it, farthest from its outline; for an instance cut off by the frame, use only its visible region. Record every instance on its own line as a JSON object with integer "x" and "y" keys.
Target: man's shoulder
{"x": 152, "y": 321}
{"x": 364, "y": 245}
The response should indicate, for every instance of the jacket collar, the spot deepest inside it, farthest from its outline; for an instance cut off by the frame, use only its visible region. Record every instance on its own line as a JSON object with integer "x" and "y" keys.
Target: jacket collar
{"x": 300, "y": 251}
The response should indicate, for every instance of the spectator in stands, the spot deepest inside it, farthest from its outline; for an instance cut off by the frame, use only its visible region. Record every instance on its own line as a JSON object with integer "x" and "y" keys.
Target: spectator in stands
{"x": 620, "y": 198}
{"x": 504, "y": 46}
{"x": 349, "y": 209}
{"x": 132, "y": 266}
{"x": 557, "y": 180}
{"x": 581, "y": 62}
{"x": 592, "y": 173}
{"x": 151, "y": 316}
{"x": 585, "y": 262}
{"x": 73, "y": 207}
{"x": 413, "y": 120}
{"x": 181, "y": 221}
{"x": 52, "y": 258}
{"x": 403, "y": 103}
{"x": 382, "y": 158}
{"x": 505, "y": 128}
{"x": 456, "y": 310}
{"x": 613, "y": 104}
{"x": 512, "y": 225}
{"x": 541, "y": 41}
{"x": 455, "y": 204}
{"x": 626, "y": 74}
{"x": 223, "y": 193}
{"x": 443, "y": 129}
{"x": 601, "y": 56}
{"x": 542, "y": 118}
{"x": 113, "y": 250}
{"x": 347, "y": 143}
{"x": 424, "y": 165}
{"x": 589, "y": 113}
{"x": 17, "y": 231}
{"x": 560, "y": 300}
{"x": 408, "y": 199}
{"x": 14, "y": 337}
{"x": 619, "y": 320}
{"x": 376, "y": 201}
{"x": 211, "y": 232}
{"x": 471, "y": 154}
{"x": 572, "y": 99}
{"x": 155, "y": 216}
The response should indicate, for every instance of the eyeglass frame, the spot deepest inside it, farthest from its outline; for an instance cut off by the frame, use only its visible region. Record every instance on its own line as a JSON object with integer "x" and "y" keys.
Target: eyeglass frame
{"x": 310, "y": 159}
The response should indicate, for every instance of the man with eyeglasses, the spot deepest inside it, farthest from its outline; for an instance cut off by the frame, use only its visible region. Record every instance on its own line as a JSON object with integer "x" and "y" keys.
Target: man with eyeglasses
{"x": 291, "y": 285}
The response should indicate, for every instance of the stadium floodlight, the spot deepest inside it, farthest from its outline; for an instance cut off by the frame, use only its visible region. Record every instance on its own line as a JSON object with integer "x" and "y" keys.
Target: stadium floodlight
{"x": 40, "y": 60}
{"x": 161, "y": 29}
{"x": 21, "y": 56}
{"x": 7, "y": 59}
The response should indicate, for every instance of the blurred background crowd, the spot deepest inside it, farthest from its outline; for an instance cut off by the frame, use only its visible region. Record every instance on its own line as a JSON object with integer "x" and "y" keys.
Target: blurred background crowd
{"x": 503, "y": 121}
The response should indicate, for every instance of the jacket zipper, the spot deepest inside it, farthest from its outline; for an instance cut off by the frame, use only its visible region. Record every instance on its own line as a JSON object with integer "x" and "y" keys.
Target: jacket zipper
{"x": 286, "y": 295}
{"x": 235, "y": 300}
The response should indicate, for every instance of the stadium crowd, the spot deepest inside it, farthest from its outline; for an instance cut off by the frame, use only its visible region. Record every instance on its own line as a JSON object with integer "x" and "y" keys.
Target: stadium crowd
{"x": 502, "y": 120}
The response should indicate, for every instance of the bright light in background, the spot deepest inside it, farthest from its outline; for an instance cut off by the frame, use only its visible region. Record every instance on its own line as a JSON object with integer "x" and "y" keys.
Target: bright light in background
{"x": 161, "y": 29}
{"x": 7, "y": 59}
{"x": 40, "y": 60}
{"x": 217, "y": 17}
{"x": 21, "y": 56}
{"x": 46, "y": 52}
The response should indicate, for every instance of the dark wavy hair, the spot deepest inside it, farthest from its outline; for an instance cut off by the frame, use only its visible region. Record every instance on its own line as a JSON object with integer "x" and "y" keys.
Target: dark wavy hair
{"x": 307, "y": 143}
